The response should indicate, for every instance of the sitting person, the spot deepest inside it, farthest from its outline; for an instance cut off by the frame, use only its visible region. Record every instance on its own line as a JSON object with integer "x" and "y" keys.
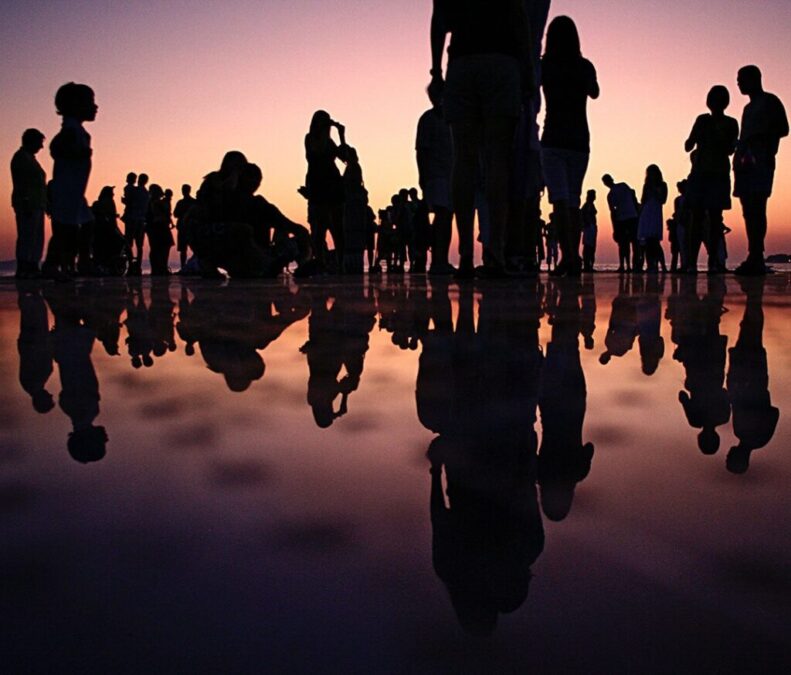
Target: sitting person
{"x": 230, "y": 225}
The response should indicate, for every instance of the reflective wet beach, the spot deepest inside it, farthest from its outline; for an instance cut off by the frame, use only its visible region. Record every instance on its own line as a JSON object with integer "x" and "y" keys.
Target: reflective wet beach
{"x": 396, "y": 475}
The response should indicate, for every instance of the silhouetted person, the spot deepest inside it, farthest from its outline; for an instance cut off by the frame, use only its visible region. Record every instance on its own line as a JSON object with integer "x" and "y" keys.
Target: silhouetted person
{"x": 180, "y": 212}
{"x": 35, "y": 348}
{"x": 355, "y": 214}
{"x": 701, "y": 349}
{"x": 568, "y": 80}
{"x": 590, "y": 231}
{"x": 434, "y": 151}
{"x": 651, "y": 224}
{"x": 29, "y": 201}
{"x": 754, "y": 417}
{"x": 677, "y": 228}
{"x": 489, "y": 71}
{"x": 480, "y": 393}
{"x": 79, "y": 397}
{"x": 72, "y": 155}
{"x": 136, "y": 200}
{"x": 160, "y": 239}
{"x": 622, "y": 329}
{"x": 713, "y": 138}
{"x": 109, "y": 247}
{"x": 421, "y": 232}
{"x": 337, "y": 339}
{"x": 622, "y": 201}
{"x": 324, "y": 185}
{"x": 764, "y": 123}
{"x": 527, "y": 183}
{"x": 563, "y": 460}
{"x": 649, "y": 325}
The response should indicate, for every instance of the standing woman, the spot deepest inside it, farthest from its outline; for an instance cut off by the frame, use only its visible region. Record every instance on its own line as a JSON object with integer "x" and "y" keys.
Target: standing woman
{"x": 324, "y": 184}
{"x": 651, "y": 225}
{"x": 568, "y": 80}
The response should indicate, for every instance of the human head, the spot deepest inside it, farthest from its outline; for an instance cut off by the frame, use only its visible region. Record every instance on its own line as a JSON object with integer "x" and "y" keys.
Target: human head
{"x": 682, "y": 186}
{"x": 320, "y": 123}
{"x": 76, "y": 100}
{"x": 653, "y": 174}
{"x": 186, "y": 190}
{"x": 708, "y": 441}
{"x": 749, "y": 80}
{"x": 563, "y": 40}
{"x": 106, "y": 193}
{"x": 142, "y": 179}
{"x": 131, "y": 177}
{"x": 607, "y": 179}
{"x": 155, "y": 191}
{"x": 718, "y": 99}
{"x": 43, "y": 401}
{"x": 250, "y": 178}
{"x": 168, "y": 193}
{"x": 232, "y": 163}
{"x": 413, "y": 194}
{"x": 738, "y": 459}
{"x": 32, "y": 140}
{"x": 87, "y": 445}
{"x": 591, "y": 196}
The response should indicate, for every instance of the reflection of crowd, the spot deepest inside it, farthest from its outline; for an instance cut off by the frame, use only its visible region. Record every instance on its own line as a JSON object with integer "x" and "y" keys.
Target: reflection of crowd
{"x": 508, "y": 414}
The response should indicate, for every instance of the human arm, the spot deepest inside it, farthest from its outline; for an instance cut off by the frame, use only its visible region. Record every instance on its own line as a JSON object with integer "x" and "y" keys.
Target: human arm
{"x": 439, "y": 32}
{"x": 692, "y": 141}
{"x": 593, "y": 82}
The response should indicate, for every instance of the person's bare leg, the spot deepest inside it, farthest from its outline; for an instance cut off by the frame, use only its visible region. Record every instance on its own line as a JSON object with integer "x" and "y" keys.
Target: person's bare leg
{"x": 466, "y": 141}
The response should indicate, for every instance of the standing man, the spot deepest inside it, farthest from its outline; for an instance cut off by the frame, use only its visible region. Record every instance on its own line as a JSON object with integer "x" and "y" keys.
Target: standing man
{"x": 183, "y": 207}
{"x": 764, "y": 123}
{"x": 489, "y": 71}
{"x": 29, "y": 200}
{"x": 434, "y": 149}
{"x": 622, "y": 201}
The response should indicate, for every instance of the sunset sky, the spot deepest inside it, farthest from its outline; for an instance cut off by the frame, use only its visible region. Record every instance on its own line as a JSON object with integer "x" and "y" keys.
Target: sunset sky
{"x": 180, "y": 82}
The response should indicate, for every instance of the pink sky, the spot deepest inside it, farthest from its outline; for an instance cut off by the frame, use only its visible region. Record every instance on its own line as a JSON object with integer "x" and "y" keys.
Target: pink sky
{"x": 178, "y": 83}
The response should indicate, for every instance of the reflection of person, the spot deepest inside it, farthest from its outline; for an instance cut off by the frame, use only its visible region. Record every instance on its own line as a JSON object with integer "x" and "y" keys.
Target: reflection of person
{"x": 563, "y": 460}
{"x": 764, "y": 123}
{"x": 701, "y": 349}
{"x": 337, "y": 339}
{"x": 480, "y": 392}
{"x": 35, "y": 349}
{"x": 29, "y": 199}
{"x": 79, "y": 397}
{"x": 754, "y": 417}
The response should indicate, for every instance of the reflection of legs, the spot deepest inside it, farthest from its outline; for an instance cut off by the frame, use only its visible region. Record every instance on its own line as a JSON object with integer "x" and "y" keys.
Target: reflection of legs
{"x": 498, "y": 138}
{"x": 466, "y": 140}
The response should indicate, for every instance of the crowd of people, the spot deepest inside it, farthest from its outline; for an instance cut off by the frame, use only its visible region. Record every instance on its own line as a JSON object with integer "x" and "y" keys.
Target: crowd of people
{"x": 479, "y": 156}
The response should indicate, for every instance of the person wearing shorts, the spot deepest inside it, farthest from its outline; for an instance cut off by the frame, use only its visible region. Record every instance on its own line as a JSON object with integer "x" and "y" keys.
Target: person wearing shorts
{"x": 568, "y": 80}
